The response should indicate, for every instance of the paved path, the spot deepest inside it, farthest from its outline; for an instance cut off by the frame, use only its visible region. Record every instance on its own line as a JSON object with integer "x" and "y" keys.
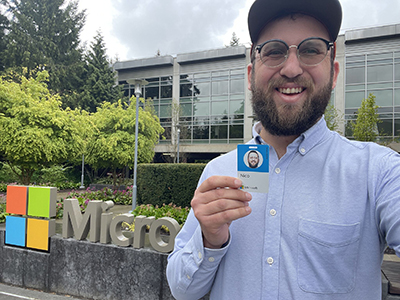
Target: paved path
{"x": 9, "y": 292}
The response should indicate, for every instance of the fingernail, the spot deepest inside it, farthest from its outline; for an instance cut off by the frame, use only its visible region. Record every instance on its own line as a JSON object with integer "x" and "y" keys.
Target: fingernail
{"x": 238, "y": 182}
{"x": 248, "y": 196}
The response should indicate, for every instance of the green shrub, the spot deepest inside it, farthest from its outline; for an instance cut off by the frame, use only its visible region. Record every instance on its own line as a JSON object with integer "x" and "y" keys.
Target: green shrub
{"x": 118, "y": 197}
{"x": 3, "y": 213}
{"x": 176, "y": 212}
{"x": 167, "y": 183}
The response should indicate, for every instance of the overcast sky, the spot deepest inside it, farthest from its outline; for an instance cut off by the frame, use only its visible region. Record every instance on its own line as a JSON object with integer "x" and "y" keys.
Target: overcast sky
{"x": 135, "y": 29}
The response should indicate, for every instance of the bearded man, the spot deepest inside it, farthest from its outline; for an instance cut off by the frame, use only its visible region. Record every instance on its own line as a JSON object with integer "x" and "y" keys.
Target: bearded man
{"x": 333, "y": 205}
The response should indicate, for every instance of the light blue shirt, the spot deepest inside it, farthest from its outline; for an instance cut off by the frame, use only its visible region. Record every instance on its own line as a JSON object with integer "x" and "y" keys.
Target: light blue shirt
{"x": 332, "y": 207}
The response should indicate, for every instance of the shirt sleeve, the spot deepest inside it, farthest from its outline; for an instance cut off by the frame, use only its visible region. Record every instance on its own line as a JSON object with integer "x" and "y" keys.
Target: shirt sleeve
{"x": 388, "y": 201}
{"x": 191, "y": 267}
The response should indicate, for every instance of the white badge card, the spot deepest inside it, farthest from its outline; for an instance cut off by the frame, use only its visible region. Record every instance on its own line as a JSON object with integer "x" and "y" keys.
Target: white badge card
{"x": 253, "y": 167}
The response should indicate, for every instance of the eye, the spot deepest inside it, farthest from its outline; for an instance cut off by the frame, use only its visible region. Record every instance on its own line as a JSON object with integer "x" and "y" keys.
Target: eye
{"x": 273, "y": 50}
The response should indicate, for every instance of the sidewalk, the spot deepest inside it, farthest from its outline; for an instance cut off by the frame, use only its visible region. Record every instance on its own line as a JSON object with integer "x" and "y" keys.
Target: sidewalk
{"x": 9, "y": 292}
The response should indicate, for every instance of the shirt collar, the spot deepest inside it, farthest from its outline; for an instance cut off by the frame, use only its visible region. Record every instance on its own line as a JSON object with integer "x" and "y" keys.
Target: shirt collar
{"x": 305, "y": 142}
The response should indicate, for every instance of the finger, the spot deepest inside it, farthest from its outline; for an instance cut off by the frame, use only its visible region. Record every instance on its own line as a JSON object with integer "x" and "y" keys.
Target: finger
{"x": 226, "y": 194}
{"x": 215, "y": 182}
{"x": 227, "y": 216}
{"x": 222, "y": 205}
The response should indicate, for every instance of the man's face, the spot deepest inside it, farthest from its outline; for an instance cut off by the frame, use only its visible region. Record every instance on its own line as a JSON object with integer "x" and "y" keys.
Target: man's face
{"x": 253, "y": 159}
{"x": 289, "y": 99}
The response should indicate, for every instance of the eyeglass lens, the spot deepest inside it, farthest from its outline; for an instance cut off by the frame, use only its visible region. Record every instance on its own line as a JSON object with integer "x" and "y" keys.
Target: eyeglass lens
{"x": 310, "y": 52}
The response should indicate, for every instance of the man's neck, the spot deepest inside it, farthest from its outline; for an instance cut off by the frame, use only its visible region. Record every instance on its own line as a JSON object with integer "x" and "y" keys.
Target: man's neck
{"x": 279, "y": 143}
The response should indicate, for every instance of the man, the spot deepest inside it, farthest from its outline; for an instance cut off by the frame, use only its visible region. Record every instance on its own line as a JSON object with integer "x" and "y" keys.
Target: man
{"x": 253, "y": 159}
{"x": 332, "y": 205}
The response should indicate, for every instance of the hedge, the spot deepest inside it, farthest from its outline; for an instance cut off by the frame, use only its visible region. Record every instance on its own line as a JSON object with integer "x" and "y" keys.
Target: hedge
{"x": 167, "y": 183}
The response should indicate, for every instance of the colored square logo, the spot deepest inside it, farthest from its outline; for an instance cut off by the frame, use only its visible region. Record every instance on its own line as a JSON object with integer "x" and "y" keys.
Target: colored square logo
{"x": 30, "y": 225}
{"x": 15, "y": 231}
{"x": 17, "y": 197}
{"x": 38, "y": 233}
{"x": 42, "y": 202}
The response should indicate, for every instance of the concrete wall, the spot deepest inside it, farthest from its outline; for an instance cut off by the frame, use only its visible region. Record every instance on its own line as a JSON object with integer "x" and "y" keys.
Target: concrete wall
{"x": 85, "y": 269}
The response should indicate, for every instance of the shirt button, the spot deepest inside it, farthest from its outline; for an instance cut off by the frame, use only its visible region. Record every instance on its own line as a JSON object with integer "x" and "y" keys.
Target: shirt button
{"x": 211, "y": 259}
{"x": 277, "y": 170}
{"x": 270, "y": 260}
{"x": 302, "y": 150}
{"x": 200, "y": 255}
{"x": 188, "y": 276}
{"x": 272, "y": 212}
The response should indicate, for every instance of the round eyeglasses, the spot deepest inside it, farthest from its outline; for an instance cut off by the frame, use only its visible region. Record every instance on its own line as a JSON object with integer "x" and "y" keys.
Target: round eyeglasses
{"x": 310, "y": 52}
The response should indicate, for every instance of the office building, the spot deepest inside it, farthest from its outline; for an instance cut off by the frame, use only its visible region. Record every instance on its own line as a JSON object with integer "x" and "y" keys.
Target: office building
{"x": 205, "y": 94}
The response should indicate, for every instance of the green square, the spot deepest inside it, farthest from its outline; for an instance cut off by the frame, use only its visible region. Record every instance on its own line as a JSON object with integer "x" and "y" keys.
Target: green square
{"x": 41, "y": 201}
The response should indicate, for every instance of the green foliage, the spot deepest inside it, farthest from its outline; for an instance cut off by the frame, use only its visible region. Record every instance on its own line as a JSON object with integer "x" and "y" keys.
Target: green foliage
{"x": 34, "y": 130}
{"x": 3, "y": 213}
{"x": 45, "y": 33}
{"x": 123, "y": 197}
{"x": 167, "y": 183}
{"x": 112, "y": 145}
{"x": 100, "y": 78}
{"x": 171, "y": 210}
{"x": 332, "y": 117}
{"x": 7, "y": 174}
{"x": 365, "y": 127}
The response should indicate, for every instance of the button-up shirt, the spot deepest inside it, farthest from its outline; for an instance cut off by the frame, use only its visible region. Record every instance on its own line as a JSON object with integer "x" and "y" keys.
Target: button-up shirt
{"x": 319, "y": 233}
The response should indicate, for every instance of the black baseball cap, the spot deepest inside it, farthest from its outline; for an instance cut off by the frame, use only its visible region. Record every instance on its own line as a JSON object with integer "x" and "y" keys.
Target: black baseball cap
{"x": 328, "y": 12}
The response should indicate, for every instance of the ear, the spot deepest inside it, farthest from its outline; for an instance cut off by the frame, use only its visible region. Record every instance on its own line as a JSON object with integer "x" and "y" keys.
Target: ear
{"x": 335, "y": 73}
{"x": 249, "y": 74}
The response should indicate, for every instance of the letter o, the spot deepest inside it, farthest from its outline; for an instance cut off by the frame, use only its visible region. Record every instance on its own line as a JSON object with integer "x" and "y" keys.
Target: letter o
{"x": 155, "y": 237}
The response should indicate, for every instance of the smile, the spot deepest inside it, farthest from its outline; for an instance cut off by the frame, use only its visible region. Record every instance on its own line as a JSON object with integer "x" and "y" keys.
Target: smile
{"x": 290, "y": 91}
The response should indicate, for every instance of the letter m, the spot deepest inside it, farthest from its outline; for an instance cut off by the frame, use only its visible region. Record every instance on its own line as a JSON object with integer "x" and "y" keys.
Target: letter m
{"x": 77, "y": 224}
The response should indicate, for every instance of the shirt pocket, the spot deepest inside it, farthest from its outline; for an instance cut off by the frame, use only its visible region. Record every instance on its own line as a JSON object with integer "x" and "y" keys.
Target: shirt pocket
{"x": 327, "y": 256}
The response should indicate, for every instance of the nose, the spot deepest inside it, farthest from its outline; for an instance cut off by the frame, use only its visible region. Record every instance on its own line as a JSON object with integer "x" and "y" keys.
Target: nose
{"x": 291, "y": 67}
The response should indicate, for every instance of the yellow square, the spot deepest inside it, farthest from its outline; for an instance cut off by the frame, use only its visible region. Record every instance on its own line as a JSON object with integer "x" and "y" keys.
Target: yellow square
{"x": 38, "y": 233}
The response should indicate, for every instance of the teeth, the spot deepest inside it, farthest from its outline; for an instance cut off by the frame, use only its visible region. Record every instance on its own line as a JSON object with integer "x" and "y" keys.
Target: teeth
{"x": 290, "y": 90}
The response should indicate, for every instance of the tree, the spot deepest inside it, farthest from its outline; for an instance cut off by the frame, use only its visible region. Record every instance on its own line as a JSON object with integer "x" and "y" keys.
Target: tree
{"x": 34, "y": 130}
{"x": 100, "y": 78}
{"x": 112, "y": 145}
{"x": 4, "y": 27}
{"x": 234, "y": 40}
{"x": 365, "y": 127}
{"x": 332, "y": 117}
{"x": 45, "y": 34}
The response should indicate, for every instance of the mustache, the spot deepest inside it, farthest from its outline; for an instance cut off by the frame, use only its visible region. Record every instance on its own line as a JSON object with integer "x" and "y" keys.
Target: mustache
{"x": 275, "y": 83}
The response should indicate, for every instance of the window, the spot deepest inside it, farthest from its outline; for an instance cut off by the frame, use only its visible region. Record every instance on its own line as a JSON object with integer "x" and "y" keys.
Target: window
{"x": 212, "y": 106}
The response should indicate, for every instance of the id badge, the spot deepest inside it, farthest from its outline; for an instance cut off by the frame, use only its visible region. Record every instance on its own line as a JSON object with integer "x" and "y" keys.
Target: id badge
{"x": 253, "y": 167}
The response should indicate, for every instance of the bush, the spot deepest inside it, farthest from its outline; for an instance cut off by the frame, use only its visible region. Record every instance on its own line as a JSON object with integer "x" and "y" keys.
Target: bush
{"x": 167, "y": 183}
{"x": 176, "y": 212}
{"x": 119, "y": 197}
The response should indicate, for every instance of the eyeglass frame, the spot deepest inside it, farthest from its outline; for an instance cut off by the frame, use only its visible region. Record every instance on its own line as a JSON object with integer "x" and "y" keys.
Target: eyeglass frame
{"x": 329, "y": 45}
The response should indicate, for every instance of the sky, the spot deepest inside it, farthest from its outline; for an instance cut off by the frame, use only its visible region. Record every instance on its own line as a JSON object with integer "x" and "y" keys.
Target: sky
{"x": 134, "y": 29}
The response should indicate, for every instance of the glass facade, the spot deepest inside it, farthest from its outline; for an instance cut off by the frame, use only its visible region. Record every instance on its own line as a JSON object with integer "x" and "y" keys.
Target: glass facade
{"x": 378, "y": 74}
{"x": 159, "y": 92}
{"x": 212, "y": 106}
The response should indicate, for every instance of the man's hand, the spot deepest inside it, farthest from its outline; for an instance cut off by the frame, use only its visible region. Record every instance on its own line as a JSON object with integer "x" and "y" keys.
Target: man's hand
{"x": 216, "y": 203}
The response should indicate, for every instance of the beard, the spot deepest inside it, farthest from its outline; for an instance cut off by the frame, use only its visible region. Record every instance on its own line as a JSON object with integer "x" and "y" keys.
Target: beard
{"x": 289, "y": 120}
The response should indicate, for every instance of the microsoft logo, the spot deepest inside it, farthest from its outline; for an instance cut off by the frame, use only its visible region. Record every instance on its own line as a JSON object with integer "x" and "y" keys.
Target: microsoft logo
{"x": 32, "y": 221}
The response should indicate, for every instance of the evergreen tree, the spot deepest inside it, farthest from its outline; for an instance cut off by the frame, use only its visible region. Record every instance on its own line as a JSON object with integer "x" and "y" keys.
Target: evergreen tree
{"x": 4, "y": 26}
{"x": 234, "y": 40}
{"x": 45, "y": 34}
{"x": 100, "y": 85}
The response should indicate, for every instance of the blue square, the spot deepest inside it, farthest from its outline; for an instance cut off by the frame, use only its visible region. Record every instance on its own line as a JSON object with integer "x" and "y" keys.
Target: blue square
{"x": 15, "y": 231}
